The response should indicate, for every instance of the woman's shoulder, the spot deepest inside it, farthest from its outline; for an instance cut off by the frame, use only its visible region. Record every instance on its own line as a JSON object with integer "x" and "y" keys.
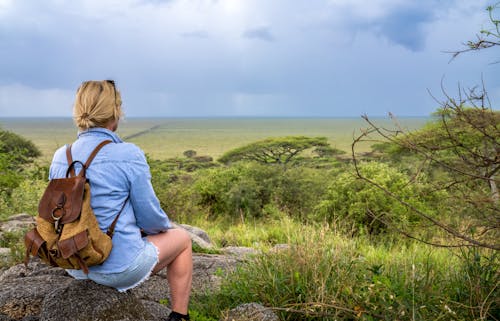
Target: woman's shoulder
{"x": 125, "y": 151}
{"x": 114, "y": 152}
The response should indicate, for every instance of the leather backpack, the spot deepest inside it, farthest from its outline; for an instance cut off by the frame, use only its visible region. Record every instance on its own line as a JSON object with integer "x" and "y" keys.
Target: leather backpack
{"x": 67, "y": 233}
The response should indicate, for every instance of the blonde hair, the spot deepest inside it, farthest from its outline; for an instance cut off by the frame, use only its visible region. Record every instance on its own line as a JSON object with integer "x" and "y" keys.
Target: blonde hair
{"x": 97, "y": 103}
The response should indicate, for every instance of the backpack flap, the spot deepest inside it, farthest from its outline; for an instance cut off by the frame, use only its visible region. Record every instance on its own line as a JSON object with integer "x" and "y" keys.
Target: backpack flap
{"x": 33, "y": 241}
{"x": 62, "y": 200}
{"x": 73, "y": 245}
{"x": 36, "y": 246}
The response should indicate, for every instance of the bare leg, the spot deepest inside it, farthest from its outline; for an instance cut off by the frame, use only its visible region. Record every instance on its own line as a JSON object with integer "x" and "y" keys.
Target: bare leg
{"x": 175, "y": 254}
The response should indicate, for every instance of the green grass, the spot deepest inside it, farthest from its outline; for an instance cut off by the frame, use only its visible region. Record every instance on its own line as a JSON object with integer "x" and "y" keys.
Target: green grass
{"x": 169, "y": 137}
{"x": 324, "y": 275}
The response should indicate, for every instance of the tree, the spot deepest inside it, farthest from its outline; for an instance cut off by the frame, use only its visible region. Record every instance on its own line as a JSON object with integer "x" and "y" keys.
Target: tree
{"x": 280, "y": 150}
{"x": 462, "y": 147}
{"x": 328, "y": 151}
{"x": 486, "y": 38}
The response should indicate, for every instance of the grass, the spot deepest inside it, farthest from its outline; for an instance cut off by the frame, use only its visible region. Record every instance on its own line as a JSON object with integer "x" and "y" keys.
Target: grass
{"x": 324, "y": 275}
{"x": 257, "y": 233}
{"x": 163, "y": 138}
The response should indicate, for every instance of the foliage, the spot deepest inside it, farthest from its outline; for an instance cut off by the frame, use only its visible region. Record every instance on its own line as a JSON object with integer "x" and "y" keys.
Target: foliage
{"x": 480, "y": 272}
{"x": 26, "y": 196}
{"x": 189, "y": 153}
{"x": 459, "y": 151}
{"x": 257, "y": 233}
{"x": 328, "y": 151}
{"x": 14, "y": 242}
{"x": 363, "y": 207}
{"x": 465, "y": 145}
{"x": 324, "y": 276}
{"x": 9, "y": 176}
{"x": 279, "y": 150}
{"x": 15, "y": 153}
{"x": 240, "y": 191}
{"x": 251, "y": 190}
{"x": 22, "y": 150}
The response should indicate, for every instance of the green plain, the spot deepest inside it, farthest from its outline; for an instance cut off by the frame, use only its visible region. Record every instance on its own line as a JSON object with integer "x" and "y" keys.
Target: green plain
{"x": 162, "y": 138}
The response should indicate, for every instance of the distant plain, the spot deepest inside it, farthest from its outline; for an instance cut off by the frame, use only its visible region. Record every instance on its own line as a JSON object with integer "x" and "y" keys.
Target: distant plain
{"x": 163, "y": 138}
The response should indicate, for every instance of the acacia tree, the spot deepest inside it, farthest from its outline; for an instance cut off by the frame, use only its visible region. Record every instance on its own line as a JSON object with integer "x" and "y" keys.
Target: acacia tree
{"x": 279, "y": 150}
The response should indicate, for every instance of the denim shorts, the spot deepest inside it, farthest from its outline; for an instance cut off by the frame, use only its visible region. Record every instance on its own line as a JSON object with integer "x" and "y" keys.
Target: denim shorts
{"x": 138, "y": 271}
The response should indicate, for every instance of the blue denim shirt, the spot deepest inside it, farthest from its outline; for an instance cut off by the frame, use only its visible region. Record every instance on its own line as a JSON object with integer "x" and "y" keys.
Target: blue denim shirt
{"x": 118, "y": 170}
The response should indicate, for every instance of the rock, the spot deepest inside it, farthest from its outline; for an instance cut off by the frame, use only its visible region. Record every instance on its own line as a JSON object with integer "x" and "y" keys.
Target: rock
{"x": 45, "y": 293}
{"x": 198, "y": 241}
{"x": 35, "y": 268}
{"x": 240, "y": 251}
{"x": 4, "y": 317}
{"x": 198, "y": 236}
{"x": 153, "y": 289}
{"x": 4, "y": 252}
{"x": 86, "y": 300}
{"x": 156, "y": 309}
{"x": 197, "y": 231}
{"x": 17, "y": 222}
{"x": 249, "y": 312}
{"x": 23, "y": 297}
{"x": 208, "y": 270}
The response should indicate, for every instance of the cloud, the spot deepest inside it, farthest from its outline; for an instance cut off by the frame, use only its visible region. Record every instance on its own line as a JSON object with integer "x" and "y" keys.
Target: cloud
{"x": 18, "y": 100}
{"x": 405, "y": 27}
{"x": 261, "y": 33}
{"x": 401, "y": 22}
{"x": 197, "y": 34}
{"x": 206, "y": 57}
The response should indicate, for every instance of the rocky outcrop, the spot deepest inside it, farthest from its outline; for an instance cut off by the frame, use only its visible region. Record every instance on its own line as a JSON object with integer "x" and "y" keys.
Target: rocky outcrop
{"x": 17, "y": 222}
{"x": 43, "y": 293}
{"x": 250, "y": 312}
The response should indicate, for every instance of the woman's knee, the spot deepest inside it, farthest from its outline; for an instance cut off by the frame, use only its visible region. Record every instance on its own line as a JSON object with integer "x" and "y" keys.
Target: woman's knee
{"x": 172, "y": 239}
{"x": 185, "y": 238}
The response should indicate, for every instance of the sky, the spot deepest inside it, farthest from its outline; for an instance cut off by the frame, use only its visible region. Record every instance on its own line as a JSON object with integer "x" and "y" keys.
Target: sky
{"x": 232, "y": 58}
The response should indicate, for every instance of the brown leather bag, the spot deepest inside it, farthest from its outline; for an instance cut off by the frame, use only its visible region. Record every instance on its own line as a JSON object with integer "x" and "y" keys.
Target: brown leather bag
{"x": 67, "y": 233}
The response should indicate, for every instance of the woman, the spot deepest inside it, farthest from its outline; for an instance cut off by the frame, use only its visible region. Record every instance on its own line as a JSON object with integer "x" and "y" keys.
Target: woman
{"x": 119, "y": 175}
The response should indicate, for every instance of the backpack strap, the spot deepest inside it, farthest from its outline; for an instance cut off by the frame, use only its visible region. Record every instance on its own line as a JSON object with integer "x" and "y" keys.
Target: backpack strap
{"x": 71, "y": 170}
{"x": 111, "y": 228}
{"x": 71, "y": 163}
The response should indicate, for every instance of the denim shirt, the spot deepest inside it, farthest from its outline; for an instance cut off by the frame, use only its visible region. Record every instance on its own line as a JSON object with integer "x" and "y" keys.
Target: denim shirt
{"x": 118, "y": 170}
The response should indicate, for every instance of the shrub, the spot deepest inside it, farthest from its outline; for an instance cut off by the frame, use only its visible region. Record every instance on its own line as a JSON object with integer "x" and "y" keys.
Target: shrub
{"x": 26, "y": 196}
{"x": 239, "y": 191}
{"x": 300, "y": 189}
{"x": 363, "y": 207}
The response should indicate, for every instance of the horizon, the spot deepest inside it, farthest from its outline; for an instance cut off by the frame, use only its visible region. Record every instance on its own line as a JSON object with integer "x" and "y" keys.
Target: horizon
{"x": 219, "y": 117}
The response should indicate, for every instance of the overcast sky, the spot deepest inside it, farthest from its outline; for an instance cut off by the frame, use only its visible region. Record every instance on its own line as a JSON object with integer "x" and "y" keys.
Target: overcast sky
{"x": 202, "y": 58}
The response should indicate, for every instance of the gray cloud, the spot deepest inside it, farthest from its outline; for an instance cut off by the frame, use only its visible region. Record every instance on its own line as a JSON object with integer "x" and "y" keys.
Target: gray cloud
{"x": 405, "y": 27}
{"x": 261, "y": 33}
{"x": 336, "y": 61}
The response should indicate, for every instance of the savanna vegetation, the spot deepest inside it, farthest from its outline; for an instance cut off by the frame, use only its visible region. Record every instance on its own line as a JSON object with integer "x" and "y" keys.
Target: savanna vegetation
{"x": 406, "y": 230}
{"x": 347, "y": 256}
